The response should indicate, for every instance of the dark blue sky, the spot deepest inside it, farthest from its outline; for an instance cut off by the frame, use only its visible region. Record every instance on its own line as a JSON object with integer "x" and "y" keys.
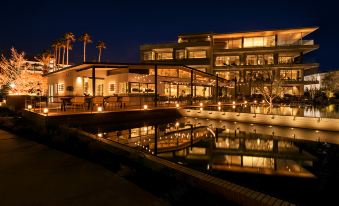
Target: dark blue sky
{"x": 124, "y": 25}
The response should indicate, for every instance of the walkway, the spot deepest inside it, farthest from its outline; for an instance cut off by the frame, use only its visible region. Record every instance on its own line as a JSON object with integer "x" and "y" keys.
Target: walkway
{"x": 33, "y": 174}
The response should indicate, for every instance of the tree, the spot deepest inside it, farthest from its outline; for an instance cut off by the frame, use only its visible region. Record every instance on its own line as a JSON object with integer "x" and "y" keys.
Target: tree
{"x": 69, "y": 38}
{"x": 63, "y": 46}
{"x": 100, "y": 45}
{"x": 86, "y": 38}
{"x": 330, "y": 83}
{"x": 54, "y": 46}
{"x": 16, "y": 75}
{"x": 269, "y": 87}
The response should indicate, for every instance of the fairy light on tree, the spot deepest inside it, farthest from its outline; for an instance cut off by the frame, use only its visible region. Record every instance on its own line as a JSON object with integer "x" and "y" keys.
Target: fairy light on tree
{"x": 17, "y": 78}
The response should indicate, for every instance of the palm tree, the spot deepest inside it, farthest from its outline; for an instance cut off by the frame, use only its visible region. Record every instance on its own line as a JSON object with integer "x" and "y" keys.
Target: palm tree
{"x": 86, "y": 38}
{"x": 63, "y": 46}
{"x": 100, "y": 45}
{"x": 69, "y": 38}
{"x": 59, "y": 44}
{"x": 54, "y": 46}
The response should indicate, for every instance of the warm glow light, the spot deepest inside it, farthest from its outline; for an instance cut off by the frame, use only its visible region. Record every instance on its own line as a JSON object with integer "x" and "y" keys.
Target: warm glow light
{"x": 29, "y": 107}
{"x": 245, "y": 102}
{"x": 219, "y": 108}
{"x": 45, "y": 110}
{"x": 233, "y": 106}
{"x": 219, "y": 103}
{"x": 100, "y": 135}
{"x": 233, "y": 102}
{"x": 4, "y": 101}
{"x": 145, "y": 106}
{"x": 12, "y": 85}
{"x": 177, "y": 105}
{"x": 79, "y": 80}
{"x": 263, "y": 101}
{"x": 99, "y": 109}
{"x": 177, "y": 124}
{"x": 201, "y": 109}
{"x": 201, "y": 104}
{"x": 255, "y": 101}
{"x": 0, "y": 104}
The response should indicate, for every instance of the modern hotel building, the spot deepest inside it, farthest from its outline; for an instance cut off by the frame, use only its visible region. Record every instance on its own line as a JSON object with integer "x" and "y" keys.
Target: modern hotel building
{"x": 242, "y": 58}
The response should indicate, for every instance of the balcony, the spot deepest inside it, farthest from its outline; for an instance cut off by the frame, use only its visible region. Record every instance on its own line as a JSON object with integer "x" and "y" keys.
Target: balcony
{"x": 186, "y": 61}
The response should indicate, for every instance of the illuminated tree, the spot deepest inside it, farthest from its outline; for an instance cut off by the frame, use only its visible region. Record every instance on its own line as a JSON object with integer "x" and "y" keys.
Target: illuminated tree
{"x": 44, "y": 59}
{"x": 16, "y": 75}
{"x": 100, "y": 45}
{"x": 86, "y": 38}
{"x": 269, "y": 86}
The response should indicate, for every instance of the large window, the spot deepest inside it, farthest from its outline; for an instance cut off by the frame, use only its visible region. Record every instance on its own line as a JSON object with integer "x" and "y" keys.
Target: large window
{"x": 148, "y": 55}
{"x": 233, "y": 44}
{"x": 164, "y": 55}
{"x": 227, "y": 61}
{"x": 61, "y": 87}
{"x": 228, "y": 75}
{"x": 290, "y": 75}
{"x": 260, "y": 59}
{"x": 285, "y": 60}
{"x": 267, "y": 41}
{"x": 197, "y": 54}
{"x": 180, "y": 54}
{"x": 111, "y": 87}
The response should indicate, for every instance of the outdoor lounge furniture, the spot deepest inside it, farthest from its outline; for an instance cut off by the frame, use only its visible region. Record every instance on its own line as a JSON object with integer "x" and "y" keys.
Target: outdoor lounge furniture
{"x": 78, "y": 101}
{"x": 97, "y": 101}
{"x": 111, "y": 101}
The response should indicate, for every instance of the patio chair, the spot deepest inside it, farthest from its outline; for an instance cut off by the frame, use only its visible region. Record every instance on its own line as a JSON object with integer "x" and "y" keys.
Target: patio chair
{"x": 111, "y": 101}
{"x": 78, "y": 101}
{"x": 97, "y": 101}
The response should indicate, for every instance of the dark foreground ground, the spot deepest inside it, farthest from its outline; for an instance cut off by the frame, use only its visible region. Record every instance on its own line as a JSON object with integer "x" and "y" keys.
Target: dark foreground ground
{"x": 34, "y": 174}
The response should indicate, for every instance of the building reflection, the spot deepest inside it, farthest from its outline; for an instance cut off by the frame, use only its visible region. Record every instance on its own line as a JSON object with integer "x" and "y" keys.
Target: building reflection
{"x": 218, "y": 149}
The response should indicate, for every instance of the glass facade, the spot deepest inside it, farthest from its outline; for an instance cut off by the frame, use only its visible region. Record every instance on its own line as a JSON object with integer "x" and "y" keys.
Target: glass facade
{"x": 148, "y": 55}
{"x": 260, "y": 59}
{"x": 267, "y": 41}
{"x": 197, "y": 54}
{"x": 290, "y": 75}
{"x": 164, "y": 55}
{"x": 285, "y": 60}
{"x": 227, "y": 61}
{"x": 233, "y": 44}
{"x": 180, "y": 54}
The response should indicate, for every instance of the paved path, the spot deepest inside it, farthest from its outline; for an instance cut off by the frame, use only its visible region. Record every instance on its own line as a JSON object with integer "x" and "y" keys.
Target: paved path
{"x": 34, "y": 174}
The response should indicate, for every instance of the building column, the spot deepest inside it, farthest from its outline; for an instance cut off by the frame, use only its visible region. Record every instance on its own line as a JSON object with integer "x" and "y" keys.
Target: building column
{"x": 191, "y": 96}
{"x": 156, "y": 85}
{"x": 217, "y": 89}
{"x": 93, "y": 81}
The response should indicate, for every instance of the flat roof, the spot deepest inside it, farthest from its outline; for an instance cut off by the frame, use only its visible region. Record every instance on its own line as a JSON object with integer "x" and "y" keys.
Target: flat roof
{"x": 108, "y": 66}
{"x": 304, "y": 30}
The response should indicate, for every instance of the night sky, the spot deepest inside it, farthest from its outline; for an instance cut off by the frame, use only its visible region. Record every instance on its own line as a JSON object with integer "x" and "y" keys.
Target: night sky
{"x": 124, "y": 25}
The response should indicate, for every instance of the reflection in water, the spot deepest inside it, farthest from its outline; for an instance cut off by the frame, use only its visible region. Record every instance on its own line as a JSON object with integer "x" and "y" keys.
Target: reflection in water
{"x": 218, "y": 146}
{"x": 330, "y": 111}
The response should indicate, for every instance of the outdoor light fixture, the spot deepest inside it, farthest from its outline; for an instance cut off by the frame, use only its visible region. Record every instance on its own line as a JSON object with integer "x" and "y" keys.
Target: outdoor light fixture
{"x": 201, "y": 109}
{"x": 4, "y": 101}
{"x": 255, "y": 101}
{"x": 233, "y": 106}
{"x": 100, "y": 135}
{"x": 99, "y": 109}
{"x": 219, "y": 103}
{"x": 219, "y": 108}
{"x": 233, "y": 102}
{"x": 177, "y": 105}
{"x": 245, "y": 102}
{"x": 201, "y": 104}
{"x": 45, "y": 111}
{"x": 145, "y": 107}
{"x": 29, "y": 107}
{"x": 263, "y": 101}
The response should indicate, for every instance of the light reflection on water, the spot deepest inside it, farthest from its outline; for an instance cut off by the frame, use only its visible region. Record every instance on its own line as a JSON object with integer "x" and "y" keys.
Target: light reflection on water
{"x": 330, "y": 111}
{"x": 213, "y": 145}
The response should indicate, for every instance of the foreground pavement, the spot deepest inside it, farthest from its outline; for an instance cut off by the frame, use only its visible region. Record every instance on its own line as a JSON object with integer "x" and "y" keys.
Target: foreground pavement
{"x": 34, "y": 174}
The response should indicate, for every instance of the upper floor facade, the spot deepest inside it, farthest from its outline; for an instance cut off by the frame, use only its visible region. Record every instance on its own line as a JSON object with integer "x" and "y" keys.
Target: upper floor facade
{"x": 241, "y": 50}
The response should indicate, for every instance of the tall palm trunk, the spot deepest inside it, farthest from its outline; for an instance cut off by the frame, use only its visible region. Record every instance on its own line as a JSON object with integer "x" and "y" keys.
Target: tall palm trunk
{"x": 84, "y": 51}
{"x": 99, "y": 59}
{"x": 55, "y": 55}
{"x": 59, "y": 54}
{"x": 63, "y": 56}
{"x": 67, "y": 48}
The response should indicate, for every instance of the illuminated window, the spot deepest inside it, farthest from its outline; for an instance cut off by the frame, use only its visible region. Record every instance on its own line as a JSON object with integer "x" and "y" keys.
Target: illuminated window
{"x": 111, "y": 87}
{"x": 267, "y": 41}
{"x": 260, "y": 59}
{"x": 164, "y": 55}
{"x": 148, "y": 55}
{"x": 61, "y": 87}
{"x": 180, "y": 54}
{"x": 227, "y": 61}
{"x": 197, "y": 54}
{"x": 286, "y": 60}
